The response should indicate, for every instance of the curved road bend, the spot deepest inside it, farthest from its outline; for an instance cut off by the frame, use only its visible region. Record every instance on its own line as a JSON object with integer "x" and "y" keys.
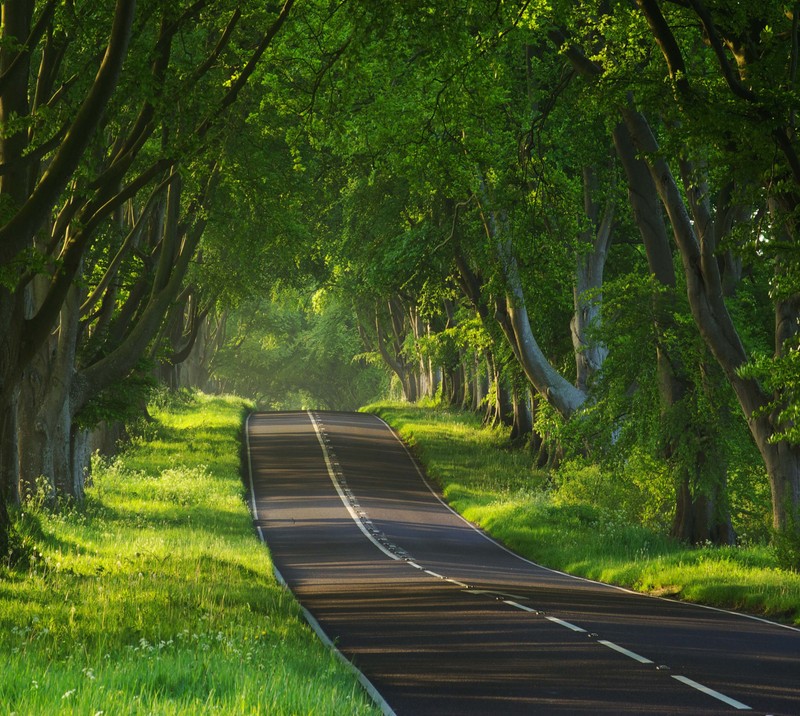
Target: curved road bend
{"x": 443, "y": 620}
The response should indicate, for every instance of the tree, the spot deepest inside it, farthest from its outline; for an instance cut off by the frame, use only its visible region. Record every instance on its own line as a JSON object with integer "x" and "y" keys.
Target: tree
{"x": 89, "y": 176}
{"x": 751, "y": 63}
{"x": 30, "y": 195}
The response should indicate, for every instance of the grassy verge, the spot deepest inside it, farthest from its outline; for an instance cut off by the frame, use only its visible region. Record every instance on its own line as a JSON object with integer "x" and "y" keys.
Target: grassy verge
{"x": 156, "y": 597}
{"x": 498, "y": 489}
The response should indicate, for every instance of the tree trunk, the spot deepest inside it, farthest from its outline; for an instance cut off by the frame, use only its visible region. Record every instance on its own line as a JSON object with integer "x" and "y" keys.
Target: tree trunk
{"x": 391, "y": 350}
{"x": 437, "y": 379}
{"x": 505, "y": 408}
{"x": 522, "y": 425}
{"x": 44, "y": 416}
{"x": 481, "y": 386}
{"x": 698, "y": 518}
{"x": 783, "y": 467}
{"x": 537, "y": 444}
{"x": 5, "y": 528}
{"x": 34, "y": 442}
{"x": 591, "y": 260}
{"x": 14, "y": 184}
{"x": 79, "y": 462}
{"x": 489, "y": 402}
{"x": 106, "y": 438}
{"x": 64, "y": 480}
{"x": 557, "y": 390}
{"x": 9, "y": 464}
{"x": 701, "y": 511}
{"x": 459, "y": 386}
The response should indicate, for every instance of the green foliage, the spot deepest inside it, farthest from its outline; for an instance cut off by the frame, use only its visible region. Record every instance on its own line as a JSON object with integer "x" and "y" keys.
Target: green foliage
{"x": 700, "y": 434}
{"x": 121, "y": 401}
{"x": 787, "y": 546}
{"x": 639, "y": 492}
{"x": 298, "y": 351}
{"x": 780, "y": 376}
{"x": 550, "y": 426}
{"x": 156, "y": 596}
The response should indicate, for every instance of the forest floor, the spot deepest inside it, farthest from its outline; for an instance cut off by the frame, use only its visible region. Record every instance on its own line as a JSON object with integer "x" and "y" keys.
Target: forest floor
{"x": 497, "y": 488}
{"x": 156, "y": 596}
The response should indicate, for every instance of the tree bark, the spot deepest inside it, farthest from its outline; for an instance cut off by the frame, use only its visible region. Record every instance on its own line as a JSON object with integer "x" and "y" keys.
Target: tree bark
{"x": 44, "y": 413}
{"x": 557, "y": 390}
{"x": 480, "y": 387}
{"x": 522, "y": 423}
{"x": 706, "y": 299}
{"x": 9, "y": 446}
{"x": 393, "y": 356}
{"x": 701, "y": 511}
{"x": 591, "y": 260}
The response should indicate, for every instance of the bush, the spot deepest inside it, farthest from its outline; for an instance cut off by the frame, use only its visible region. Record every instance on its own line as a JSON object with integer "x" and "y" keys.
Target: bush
{"x": 786, "y": 543}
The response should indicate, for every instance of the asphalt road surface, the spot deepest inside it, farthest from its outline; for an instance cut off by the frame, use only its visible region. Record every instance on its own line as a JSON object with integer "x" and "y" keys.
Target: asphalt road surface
{"x": 443, "y": 620}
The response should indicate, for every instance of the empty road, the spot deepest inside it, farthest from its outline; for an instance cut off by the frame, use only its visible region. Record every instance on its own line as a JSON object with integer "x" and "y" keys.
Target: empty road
{"x": 443, "y": 620}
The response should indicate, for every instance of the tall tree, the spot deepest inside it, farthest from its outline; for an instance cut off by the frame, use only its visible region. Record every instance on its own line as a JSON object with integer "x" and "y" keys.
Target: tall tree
{"x": 30, "y": 195}
{"x": 89, "y": 176}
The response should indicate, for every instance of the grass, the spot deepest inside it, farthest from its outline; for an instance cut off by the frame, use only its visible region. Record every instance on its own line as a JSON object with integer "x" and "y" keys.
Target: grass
{"x": 498, "y": 489}
{"x": 156, "y": 597}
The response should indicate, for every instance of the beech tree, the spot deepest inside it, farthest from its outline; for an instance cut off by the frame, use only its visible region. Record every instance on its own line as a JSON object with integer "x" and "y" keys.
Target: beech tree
{"x": 39, "y": 159}
{"x": 753, "y": 52}
{"x": 63, "y": 189}
{"x": 751, "y": 62}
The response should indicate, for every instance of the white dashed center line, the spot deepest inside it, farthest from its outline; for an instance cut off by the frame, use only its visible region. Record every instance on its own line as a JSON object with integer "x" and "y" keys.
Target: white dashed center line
{"x": 556, "y": 620}
{"x": 457, "y": 583}
{"x": 622, "y": 650}
{"x": 520, "y": 606}
{"x": 716, "y": 694}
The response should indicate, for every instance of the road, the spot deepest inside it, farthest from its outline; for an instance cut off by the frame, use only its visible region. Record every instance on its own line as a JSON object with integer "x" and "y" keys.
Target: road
{"x": 443, "y": 620}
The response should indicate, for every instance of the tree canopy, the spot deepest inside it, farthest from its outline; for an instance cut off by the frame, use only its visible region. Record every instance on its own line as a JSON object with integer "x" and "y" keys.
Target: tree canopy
{"x": 577, "y": 217}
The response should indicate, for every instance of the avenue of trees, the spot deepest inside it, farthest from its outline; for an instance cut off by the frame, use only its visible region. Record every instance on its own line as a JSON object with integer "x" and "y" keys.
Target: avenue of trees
{"x": 579, "y": 218}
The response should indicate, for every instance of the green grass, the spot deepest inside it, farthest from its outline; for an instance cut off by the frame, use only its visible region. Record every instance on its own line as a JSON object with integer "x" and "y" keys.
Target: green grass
{"x": 156, "y": 597}
{"x": 497, "y": 488}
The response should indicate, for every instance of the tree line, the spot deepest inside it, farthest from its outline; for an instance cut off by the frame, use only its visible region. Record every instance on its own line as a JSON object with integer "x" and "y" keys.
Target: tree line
{"x": 590, "y": 207}
{"x": 578, "y": 218}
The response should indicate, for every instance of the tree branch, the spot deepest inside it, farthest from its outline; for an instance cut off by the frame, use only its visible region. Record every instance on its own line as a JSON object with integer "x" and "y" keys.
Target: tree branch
{"x": 240, "y": 81}
{"x": 666, "y": 41}
{"x": 33, "y": 214}
{"x": 733, "y": 82}
{"x": 35, "y": 35}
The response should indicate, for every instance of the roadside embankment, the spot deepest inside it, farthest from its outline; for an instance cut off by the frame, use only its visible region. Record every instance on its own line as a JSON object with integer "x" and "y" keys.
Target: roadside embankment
{"x": 498, "y": 489}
